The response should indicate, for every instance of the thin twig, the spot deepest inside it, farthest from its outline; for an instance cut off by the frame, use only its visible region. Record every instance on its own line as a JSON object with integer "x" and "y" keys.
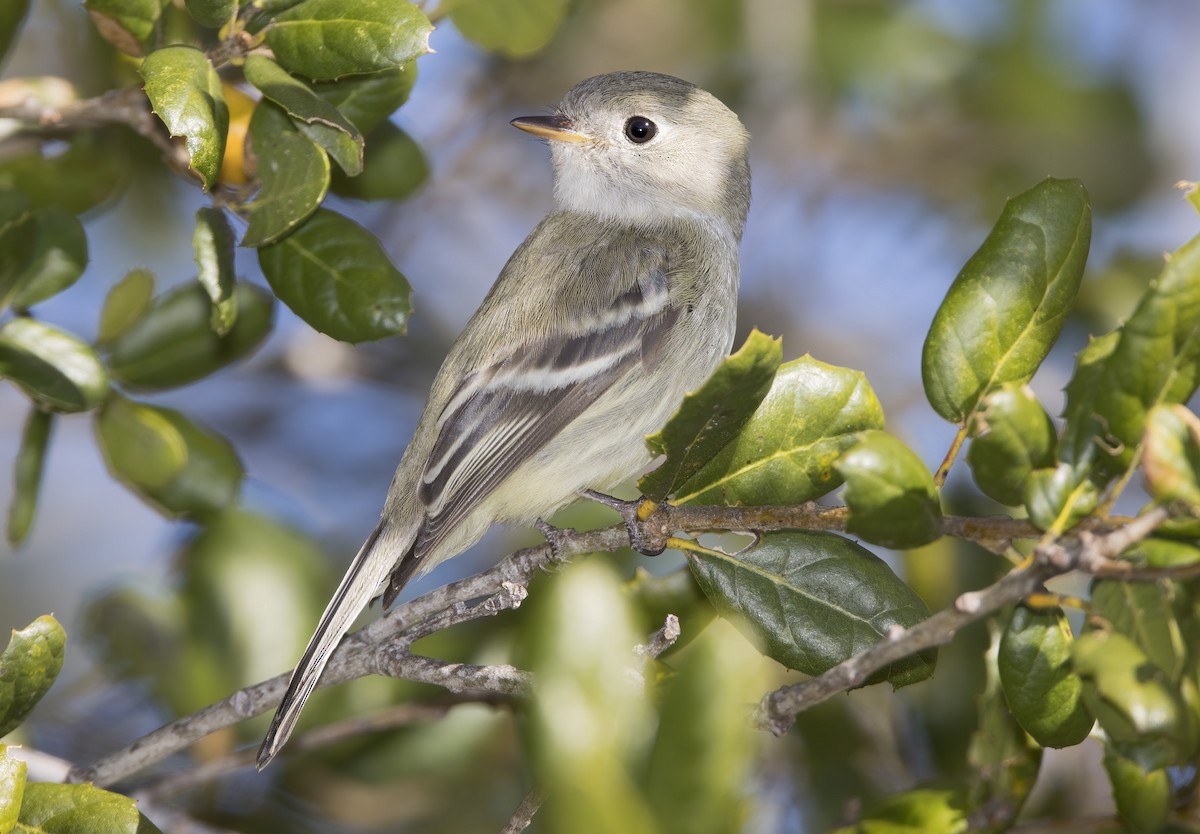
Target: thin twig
{"x": 523, "y": 815}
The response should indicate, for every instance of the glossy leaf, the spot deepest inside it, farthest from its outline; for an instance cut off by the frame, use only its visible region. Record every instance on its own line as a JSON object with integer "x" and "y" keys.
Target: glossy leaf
{"x": 393, "y": 168}
{"x": 12, "y": 14}
{"x": 126, "y": 24}
{"x": 1057, "y": 499}
{"x": 712, "y": 415}
{"x": 1008, "y": 304}
{"x": 28, "y": 668}
{"x": 326, "y": 39}
{"x": 1171, "y": 459}
{"x": 293, "y": 176}
{"x": 50, "y": 260}
{"x": 213, "y": 245}
{"x": 813, "y": 600}
{"x": 125, "y": 304}
{"x": 335, "y": 275}
{"x": 1012, "y": 436}
{"x": 513, "y": 28}
{"x": 169, "y": 461}
{"x": 185, "y": 92}
{"x": 1143, "y": 799}
{"x": 1145, "y": 613}
{"x": 1040, "y": 684}
{"x": 12, "y": 789}
{"x": 27, "y": 474}
{"x": 368, "y": 100}
{"x": 53, "y": 367}
{"x": 173, "y": 344}
{"x": 785, "y": 454}
{"x": 212, "y": 13}
{"x": 316, "y": 118}
{"x": 889, "y": 492}
{"x": 50, "y": 808}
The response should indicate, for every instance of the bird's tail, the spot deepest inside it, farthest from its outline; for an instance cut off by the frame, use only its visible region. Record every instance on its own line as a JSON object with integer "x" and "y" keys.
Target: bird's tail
{"x": 362, "y": 581}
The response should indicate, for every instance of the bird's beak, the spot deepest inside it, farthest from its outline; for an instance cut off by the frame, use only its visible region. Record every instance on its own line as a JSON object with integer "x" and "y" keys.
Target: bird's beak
{"x": 555, "y": 128}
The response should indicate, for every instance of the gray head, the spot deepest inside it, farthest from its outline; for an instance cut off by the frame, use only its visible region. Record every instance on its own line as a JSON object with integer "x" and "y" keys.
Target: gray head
{"x": 643, "y": 146}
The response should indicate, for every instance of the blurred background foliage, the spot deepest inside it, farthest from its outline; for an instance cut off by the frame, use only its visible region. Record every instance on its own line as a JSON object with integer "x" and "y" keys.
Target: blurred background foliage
{"x": 886, "y": 136}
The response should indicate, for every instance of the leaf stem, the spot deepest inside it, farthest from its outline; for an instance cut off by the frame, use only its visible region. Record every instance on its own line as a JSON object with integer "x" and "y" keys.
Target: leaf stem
{"x": 943, "y": 471}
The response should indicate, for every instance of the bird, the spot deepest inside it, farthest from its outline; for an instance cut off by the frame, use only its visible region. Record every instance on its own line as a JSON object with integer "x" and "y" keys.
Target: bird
{"x": 619, "y": 302}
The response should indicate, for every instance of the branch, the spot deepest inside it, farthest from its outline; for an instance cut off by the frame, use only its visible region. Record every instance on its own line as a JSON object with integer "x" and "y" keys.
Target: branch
{"x": 523, "y": 815}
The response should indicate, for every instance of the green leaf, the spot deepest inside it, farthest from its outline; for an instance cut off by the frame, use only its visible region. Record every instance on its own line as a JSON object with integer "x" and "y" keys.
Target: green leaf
{"x": 27, "y": 475}
{"x": 1143, "y": 799}
{"x": 368, "y": 100}
{"x": 51, "y": 808}
{"x": 513, "y": 28}
{"x": 12, "y": 789}
{"x": 53, "y": 367}
{"x": 125, "y": 304}
{"x": 28, "y": 668}
{"x": 185, "y": 92}
{"x": 169, "y": 461}
{"x": 1163, "y": 553}
{"x": 51, "y": 257}
{"x": 889, "y": 492}
{"x": 393, "y": 168}
{"x": 1012, "y": 436}
{"x": 173, "y": 343}
{"x": 126, "y": 24}
{"x": 326, "y": 39}
{"x": 1057, "y": 499}
{"x": 89, "y": 172}
{"x": 293, "y": 175}
{"x": 212, "y": 13}
{"x": 16, "y": 241}
{"x": 1145, "y": 613}
{"x": 920, "y": 811}
{"x": 813, "y": 600}
{"x": 1008, "y": 304}
{"x": 334, "y": 274}
{"x": 1171, "y": 459}
{"x": 1043, "y": 691}
{"x": 785, "y": 454}
{"x": 712, "y": 415}
{"x": 12, "y": 14}
{"x": 653, "y": 597}
{"x": 213, "y": 245}
{"x": 316, "y": 118}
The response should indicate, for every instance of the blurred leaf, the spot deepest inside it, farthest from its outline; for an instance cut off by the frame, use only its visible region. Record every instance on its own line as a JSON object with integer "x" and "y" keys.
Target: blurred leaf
{"x": 293, "y": 174}
{"x": 1163, "y": 553}
{"x": 53, "y": 367}
{"x": 393, "y": 168}
{"x": 1143, "y": 799}
{"x": 173, "y": 343}
{"x": 12, "y": 14}
{"x": 654, "y": 597}
{"x": 125, "y": 304}
{"x": 712, "y": 415}
{"x": 28, "y": 667}
{"x": 1008, "y": 304}
{"x": 12, "y": 789}
{"x": 1145, "y": 613}
{"x": 185, "y": 92}
{"x": 920, "y": 811}
{"x": 1077, "y": 445}
{"x": 50, "y": 259}
{"x": 334, "y": 274}
{"x": 1171, "y": 459}
{"x": 513, "y": 28}
{"x": 1013, "y": 435}
{"x": 1056, "y": 499}
{"x": 51, "y": 808}
{"x": 368, "y": 100}
{"x": 126, "y": 24}
{"x": 27, "y": 475}
{"x": 785, "y": 454}
{"x": 212, "y": 13}
{"x": 326, "y": 39}
{"x": 169, "y": 461}
{"x": 316, "y": 118}
{"x": 1043, "y": 691}
{"x": 90, "y": 170}
{"x": 813, "y": 600}
{"x": 213, "y": 245}
{"x": 16, "y": 241}
{"x": 889, "y": 492}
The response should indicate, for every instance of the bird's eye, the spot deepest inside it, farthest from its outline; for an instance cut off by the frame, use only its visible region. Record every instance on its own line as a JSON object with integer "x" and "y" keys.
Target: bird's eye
{"x": 640, "y": 130}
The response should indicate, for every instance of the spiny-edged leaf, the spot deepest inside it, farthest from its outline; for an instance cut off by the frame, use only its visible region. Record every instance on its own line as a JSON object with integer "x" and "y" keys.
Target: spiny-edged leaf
{"x": 394, "y": 166}
{"x": 1007, "y": 306}
{"x": 920, "y": 811}
{"x": 1171, "y": 458}
{"x": 126, "y": 24}
{"x": 712, "y": 415}
{"x": 513, "y": 28}
{"x": 1042, "y": 689}
{"x": 1012, "y": 436}
{"x": 293, "y": 176}
{"x": 368, "y": 100}
{"x": 50, "y": 260}
{"x": 212, "y": 13}
{"x": 213, "y": 245}
{"x": 93, "y": 167}
{"x": 169, "y": 461}
{"x": 1145, "y": 613}
{"x": 889, "y": 492}
{"x": 316, "y": 118}
{"x": 326, "y": 39}
{"x": 12, "y": 14}
{"x": 28, "y": 667}
{"x": 1059, "y": 498}
{"x": 173, "y": 343}
{"x": 813, "y": 600}
{"x": 52, "y": 366}
{"x": 12, "y": 789}
{"x": 50, "y": 808}
{"x": 1143, "y": 799}
{"x": 125, "y": 304}
{"x": 27, "y": 474}
{"x": 185, "y": 92}
{"x": 785, "y": 454}
{"x": 334, "y": 274}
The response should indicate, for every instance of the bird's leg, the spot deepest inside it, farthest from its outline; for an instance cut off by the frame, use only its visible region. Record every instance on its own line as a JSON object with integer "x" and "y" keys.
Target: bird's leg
{"x": 645, "y": 522}
{"x": 555, "y": 538}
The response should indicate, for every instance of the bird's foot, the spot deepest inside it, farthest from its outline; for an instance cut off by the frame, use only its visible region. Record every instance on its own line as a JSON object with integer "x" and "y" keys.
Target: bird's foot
{"x": 644, "y": 519}
{"x": 555, "y": 537}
